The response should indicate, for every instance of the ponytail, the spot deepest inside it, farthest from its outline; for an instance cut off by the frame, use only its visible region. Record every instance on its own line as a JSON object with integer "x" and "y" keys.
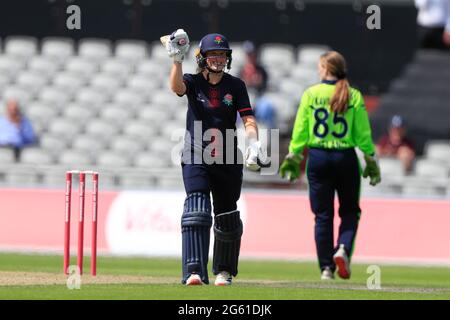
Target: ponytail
{"x": 340, "y": 98}
{"x": 335, "y": 64}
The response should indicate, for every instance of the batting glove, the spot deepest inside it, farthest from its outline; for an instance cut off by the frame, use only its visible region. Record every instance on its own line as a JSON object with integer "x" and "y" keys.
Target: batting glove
{"x": 253, "y": 155}
{"x": 372, "y": 170}
{"x": 178, "y": 45}
{"x": 290, "y": 168}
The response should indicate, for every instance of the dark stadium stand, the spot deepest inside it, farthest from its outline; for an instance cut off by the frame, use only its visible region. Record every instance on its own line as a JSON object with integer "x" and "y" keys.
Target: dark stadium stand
{"x": 421, "y": 95}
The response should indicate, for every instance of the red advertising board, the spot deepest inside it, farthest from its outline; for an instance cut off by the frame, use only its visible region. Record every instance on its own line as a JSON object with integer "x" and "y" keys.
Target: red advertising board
{"x": 276, "y": 225}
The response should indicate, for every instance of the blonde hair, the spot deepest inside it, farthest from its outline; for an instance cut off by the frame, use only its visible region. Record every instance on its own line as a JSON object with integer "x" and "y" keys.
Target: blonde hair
{"x": 335, "y": 64}
{"x": 198, "y": 55}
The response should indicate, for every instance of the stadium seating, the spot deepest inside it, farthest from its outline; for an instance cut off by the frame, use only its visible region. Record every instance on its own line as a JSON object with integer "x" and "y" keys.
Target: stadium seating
{"x": 22, "y": 47}
{"x": 22, "y": 175}
{"x": 106, "y": 106}
{"x": 420, "y": 95}
{"x": 438, "y": 150}
{"x": 57, "y": 49}
{"x": 6, "y": 156}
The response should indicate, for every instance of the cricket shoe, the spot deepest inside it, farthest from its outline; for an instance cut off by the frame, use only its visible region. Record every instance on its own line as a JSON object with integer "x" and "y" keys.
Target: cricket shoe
{"x": 223, "y": 279}
{"x": 342, "y": 262}
{"x": 194, "y": 280}
{"x": 327, "y": 274}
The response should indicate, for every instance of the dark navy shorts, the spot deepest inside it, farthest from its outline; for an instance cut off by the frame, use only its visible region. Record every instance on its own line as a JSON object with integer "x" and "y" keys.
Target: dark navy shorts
{"x": 223, "y": 181}
{"x": 330, "y": 172}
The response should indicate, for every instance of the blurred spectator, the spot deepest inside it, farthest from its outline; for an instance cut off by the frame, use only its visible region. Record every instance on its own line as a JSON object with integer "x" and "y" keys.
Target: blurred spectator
{"x": 252, "y": 73}
{"x": 265, "y": 112}
{"x": 434, "y": 23}
{"x": 255, "y": 77}
{"x": 396, "y": 144}
{"x": 16, "y": 130}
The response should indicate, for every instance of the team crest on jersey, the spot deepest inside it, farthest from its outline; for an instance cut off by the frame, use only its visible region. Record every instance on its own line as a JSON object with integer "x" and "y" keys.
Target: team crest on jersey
{"x": 218, "y": 39}
{"x": 228, "y": 99}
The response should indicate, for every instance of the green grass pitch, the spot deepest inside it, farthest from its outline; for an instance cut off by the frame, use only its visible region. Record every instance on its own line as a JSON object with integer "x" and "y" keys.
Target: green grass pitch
{"x": 32, "y": 276}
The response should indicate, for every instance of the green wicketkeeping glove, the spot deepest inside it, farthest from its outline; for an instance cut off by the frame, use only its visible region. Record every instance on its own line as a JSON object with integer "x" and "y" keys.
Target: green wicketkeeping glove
{"x": 290, "y": 168}
{"x": 372, "y": 169}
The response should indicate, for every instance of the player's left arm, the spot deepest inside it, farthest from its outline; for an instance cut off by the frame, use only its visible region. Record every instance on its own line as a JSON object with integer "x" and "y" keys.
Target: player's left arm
{"x": 243, "y": 107}
{"x": 362, "y": 133}
{"x": 251, "y": 127}
{"x": 363, "y": 138}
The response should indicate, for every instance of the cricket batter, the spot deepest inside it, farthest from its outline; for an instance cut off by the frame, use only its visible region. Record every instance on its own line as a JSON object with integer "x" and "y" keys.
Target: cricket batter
{"x": 211, "y": 164}
{"x": 331, "y": 121}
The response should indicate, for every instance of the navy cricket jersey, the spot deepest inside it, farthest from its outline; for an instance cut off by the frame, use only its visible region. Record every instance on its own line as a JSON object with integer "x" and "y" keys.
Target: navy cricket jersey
{"x": 216, "y": 106}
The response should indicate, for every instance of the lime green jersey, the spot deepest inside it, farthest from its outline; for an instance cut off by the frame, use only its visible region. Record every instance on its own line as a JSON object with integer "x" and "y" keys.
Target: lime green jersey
{"x": 316, "y": 126}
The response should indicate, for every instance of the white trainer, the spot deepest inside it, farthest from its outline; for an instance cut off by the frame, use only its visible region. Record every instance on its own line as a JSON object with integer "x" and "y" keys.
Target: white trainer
{"x": 223, "y": 279}
{"x": 327, "y": 274}
{"x": 194, "y": 280}
{"x": 342, "y": 263}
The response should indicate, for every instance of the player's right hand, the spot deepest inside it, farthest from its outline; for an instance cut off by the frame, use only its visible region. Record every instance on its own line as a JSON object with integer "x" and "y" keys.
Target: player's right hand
{"x": 178, "y": 45}
{"x": 290, "y": 168}
{"x": 372, "y": 170}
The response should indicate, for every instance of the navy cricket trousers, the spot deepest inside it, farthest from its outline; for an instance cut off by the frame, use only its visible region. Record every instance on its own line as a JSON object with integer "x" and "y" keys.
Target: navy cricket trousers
{"x": 224, "y": 181}
{"x": 331, "y": 171}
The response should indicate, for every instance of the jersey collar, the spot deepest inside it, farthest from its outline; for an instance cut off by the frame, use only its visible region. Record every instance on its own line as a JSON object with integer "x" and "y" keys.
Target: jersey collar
{"x": 213, "y": 85}
{"x": 329, "y": 81}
